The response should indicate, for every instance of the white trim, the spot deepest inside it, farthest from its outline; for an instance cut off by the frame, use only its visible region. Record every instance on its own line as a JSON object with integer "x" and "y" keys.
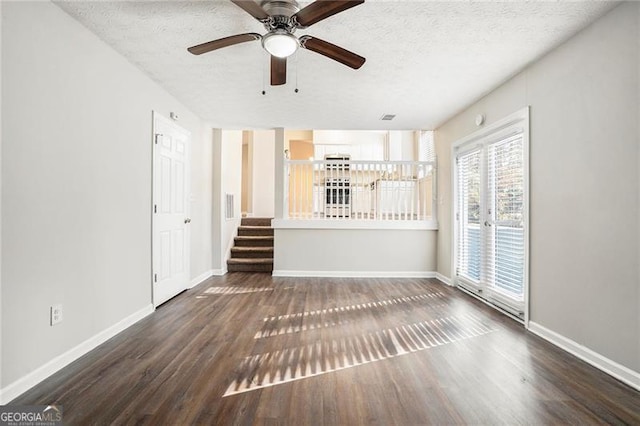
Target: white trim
{"x": 422, "y": 225}
{"x": 25, "y": 383}
{"x": 612, "y": 368}
{"x": 157, "y": 118}
{"x": 526, "y": 140}
{"x": 355, "y": 274}
{"x": 443, "y": 279}
{"x": 201, "y": 278}
{"x": 218, "y": 272}
{"x": 490, "y": 303}
{"x": 511, "y": 119}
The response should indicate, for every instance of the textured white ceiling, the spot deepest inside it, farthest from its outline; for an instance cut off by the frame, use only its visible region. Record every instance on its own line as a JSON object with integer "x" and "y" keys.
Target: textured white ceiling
{"x": 425, "y": 60}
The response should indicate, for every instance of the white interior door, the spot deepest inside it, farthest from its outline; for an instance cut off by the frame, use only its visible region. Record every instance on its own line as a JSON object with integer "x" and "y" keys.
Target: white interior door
{"x": 491, "y": 217}
{"x": 171, "y": 237}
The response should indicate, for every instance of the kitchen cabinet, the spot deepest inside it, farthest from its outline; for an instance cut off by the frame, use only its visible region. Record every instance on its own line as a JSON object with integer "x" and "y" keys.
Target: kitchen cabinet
{"x": 401, "y": 145}
{"x": 372, "y": 151}
{"x": 320, "y": 150}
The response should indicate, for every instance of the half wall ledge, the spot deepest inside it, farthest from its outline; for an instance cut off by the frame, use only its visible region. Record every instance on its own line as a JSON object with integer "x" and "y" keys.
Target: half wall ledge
{"x": 427, "y": 225}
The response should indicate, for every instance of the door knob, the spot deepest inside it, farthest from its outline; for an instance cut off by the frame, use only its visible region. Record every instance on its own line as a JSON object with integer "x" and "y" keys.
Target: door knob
{"x": 187, "y": 220}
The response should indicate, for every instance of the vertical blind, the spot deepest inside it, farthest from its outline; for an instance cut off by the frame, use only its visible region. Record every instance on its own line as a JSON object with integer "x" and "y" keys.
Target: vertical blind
{"x": 504, "y": 264}
{"x": 426, "y": 146}
{"x": 468, "y": 215}
{"x": 230, "y": 212}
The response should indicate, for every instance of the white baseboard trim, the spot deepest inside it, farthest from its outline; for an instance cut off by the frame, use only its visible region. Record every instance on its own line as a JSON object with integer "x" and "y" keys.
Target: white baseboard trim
{"x": 612, "y": 368}
{"x": 355, "y": 274}
{"x": 25, "y": 383}
{"x": 219, "y": 272}
{"x": 201, "y": 278}
{"x": 443, "y": 279}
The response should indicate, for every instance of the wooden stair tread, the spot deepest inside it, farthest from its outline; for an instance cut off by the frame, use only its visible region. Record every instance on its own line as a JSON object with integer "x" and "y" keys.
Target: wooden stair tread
{"x": 254, "y": 231}
{"x": 255, "y": 237}
{"x": 257, "y": 260}
{"x": 256, "y": 221}
{"x": 252, "y": 252}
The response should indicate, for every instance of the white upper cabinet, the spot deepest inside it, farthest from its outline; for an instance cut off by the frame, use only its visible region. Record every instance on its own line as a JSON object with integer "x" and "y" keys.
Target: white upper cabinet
{"x": 362, "y": 145}
{"x": 318, "y": 152}
{"x": 401, "y": 145}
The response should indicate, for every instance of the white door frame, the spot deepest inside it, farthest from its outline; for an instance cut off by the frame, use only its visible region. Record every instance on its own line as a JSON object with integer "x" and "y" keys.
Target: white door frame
{"x": 491, "y": 132}
{"x": 165, "y": 122}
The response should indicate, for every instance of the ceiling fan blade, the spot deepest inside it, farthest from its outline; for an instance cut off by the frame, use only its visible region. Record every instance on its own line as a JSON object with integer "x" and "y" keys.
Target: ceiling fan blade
{"x": 252, "y": 8}
{"x": 332, "y": 51}
{"x": 322, "y": 9}
{"x": 278, "y": 71}
{"x": 223, "y": 42}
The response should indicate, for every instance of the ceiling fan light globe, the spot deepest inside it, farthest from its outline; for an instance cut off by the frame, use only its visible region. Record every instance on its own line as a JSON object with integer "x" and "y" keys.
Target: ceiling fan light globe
{"x": 280, "y": 44}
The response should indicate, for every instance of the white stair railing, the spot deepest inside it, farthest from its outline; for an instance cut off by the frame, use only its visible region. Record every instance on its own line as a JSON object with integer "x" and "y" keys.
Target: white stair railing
{"x": 363, "y": 190}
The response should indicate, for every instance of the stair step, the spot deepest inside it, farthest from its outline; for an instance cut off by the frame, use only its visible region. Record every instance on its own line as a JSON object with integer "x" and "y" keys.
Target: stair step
{"x": 250, "y": 265}
{"x": 249, "y": 241}
{"x": 256, "y": 221}
{"x": 246, "y": 231}
{"x": 249, "y": 261}
{"x": 252, "y": 252}
{"x": 253, "y": 247}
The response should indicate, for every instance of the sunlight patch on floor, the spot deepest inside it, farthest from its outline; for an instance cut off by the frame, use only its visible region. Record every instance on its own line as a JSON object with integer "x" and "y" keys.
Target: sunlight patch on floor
{"x": 326, "y": 356}
{"x": 323, "y": 318}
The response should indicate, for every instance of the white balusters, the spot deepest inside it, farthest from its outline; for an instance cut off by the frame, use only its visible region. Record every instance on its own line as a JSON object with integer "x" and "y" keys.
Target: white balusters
{"x": 360, "y": 190}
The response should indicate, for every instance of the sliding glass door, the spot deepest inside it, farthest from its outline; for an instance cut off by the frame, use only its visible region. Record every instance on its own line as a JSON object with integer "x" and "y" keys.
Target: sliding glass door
{"x": 490, "y": 217}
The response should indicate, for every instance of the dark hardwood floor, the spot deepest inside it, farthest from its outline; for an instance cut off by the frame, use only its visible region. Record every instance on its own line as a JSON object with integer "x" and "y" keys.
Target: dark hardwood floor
{"x": 252, "y": 349}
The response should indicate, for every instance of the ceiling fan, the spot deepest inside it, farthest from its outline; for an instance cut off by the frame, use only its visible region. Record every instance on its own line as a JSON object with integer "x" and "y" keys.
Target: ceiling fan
{"x": 282, "y": 18}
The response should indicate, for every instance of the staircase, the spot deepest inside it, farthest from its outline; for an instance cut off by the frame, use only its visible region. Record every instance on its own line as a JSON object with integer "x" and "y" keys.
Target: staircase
{"x": 253, "y": 247}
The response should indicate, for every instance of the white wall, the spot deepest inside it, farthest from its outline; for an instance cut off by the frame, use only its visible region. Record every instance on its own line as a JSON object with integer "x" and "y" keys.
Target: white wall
{"x": 231, "y": 184}
{"x": 354, "y": 252}
{"x": 76, "y": 186}
{"x": 202, "y": 235}
{"x": 263, "y": 173}
{"x": 638, "y": 129}
{"x": 585, "y": 184}
{"x": 1, "y": 380}
{"x": 217, "y": 212}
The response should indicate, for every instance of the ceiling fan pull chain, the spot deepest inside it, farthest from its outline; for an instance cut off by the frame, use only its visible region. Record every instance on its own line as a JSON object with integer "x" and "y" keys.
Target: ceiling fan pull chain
{"x": 264, "y": 92}
{"x": 296, "y": 61}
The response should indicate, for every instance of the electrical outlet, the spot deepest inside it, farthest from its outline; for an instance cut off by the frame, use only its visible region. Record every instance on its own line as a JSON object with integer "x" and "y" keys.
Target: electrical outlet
{"x": 56, "y": 314}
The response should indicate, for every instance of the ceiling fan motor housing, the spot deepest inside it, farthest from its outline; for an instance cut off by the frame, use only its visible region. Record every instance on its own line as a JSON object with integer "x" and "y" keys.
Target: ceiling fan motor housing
{"x": 277, "y": 8}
